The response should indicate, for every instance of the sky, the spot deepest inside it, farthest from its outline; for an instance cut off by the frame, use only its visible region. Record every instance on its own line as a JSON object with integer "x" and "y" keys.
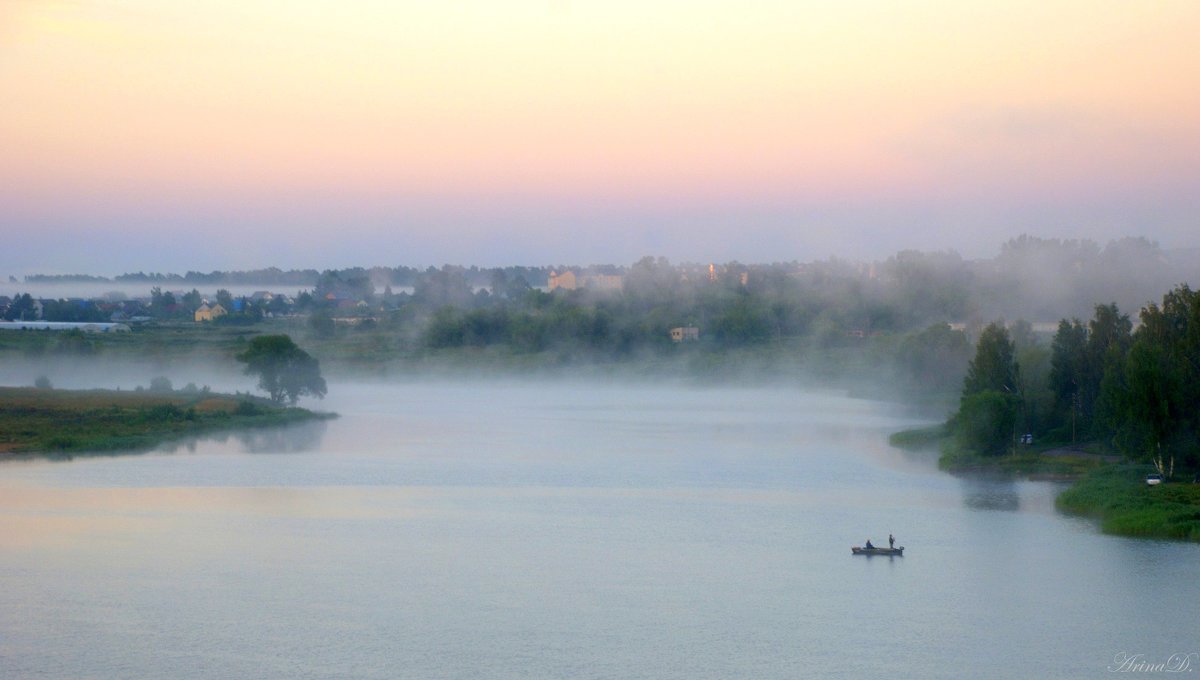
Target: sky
{"x": 141, "y": 135}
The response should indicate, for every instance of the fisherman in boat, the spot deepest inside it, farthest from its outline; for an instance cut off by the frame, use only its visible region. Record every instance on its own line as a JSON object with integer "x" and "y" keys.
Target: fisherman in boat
{"x": 891, "y": 541}
{"x": 869, "y": 546}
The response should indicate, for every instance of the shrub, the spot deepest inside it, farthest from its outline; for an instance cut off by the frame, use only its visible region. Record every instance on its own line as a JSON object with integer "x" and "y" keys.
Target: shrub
{"x": 164, "y": 412}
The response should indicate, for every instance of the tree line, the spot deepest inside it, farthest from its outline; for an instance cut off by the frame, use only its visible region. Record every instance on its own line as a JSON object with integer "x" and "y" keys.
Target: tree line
{"x": 1136, "y": 391}
{"x": 1031, "y": 278}
{"x": 273, "y": 276}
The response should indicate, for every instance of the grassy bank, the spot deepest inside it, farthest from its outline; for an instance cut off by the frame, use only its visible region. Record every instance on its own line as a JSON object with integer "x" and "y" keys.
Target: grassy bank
{"x": 1032, "y": 463}
{"x": 44, "y": 421}
{"x": 1028, "y": 463}
{"x": 920, "y": 438}
{"x": 1114, "y": 493}
{"x": 1125, "y": 505}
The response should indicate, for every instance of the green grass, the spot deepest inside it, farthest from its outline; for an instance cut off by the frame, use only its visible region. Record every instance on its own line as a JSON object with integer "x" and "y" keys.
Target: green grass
{"x": 1021, "y": 464}
{"x": 919, "y": 438}
{"x": 1116, "y": 494}
{"x": 1125, "y": 505}
{"x": 1025, "y": 463}
{"x": 34, "y": 421}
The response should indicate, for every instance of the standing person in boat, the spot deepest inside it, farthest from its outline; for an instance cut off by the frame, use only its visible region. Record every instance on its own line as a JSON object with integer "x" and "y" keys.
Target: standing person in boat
{"x": 891, "y": 541}
{"x": 869, "y": 546}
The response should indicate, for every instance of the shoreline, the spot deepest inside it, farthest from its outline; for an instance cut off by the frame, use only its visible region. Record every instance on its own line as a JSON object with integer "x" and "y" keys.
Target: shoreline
{"x": 49, "y": 423}
{"x": 1103, "y": 486}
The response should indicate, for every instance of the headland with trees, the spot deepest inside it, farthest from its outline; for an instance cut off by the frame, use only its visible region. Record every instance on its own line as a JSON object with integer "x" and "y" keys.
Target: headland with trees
{"x": 1112, "y": 403}
{"x": 44, "y": 421}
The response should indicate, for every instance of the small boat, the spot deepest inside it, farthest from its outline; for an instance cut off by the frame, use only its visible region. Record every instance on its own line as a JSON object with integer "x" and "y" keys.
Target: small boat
{"x": 878, "y": 551}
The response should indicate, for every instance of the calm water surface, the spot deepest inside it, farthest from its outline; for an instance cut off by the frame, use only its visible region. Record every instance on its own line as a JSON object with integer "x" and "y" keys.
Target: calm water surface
{"x": 568, "y": 531}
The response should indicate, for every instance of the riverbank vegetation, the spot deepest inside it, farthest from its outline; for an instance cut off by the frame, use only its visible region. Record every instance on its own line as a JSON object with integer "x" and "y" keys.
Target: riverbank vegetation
{"x": 1032, "y": 462}
{"x": 1135, "y": 393}
{"x": 1125, "y": 505}
{"x": 58, "y": 422}
{"x": 1129, "y": 395}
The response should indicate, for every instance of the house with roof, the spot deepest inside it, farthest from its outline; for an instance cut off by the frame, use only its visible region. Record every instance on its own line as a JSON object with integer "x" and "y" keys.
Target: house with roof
{"x": 207, "y": 313}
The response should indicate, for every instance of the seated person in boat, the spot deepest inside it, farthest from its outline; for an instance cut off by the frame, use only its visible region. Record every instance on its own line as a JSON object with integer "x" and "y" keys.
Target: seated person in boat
{"x": 869, "y": 546}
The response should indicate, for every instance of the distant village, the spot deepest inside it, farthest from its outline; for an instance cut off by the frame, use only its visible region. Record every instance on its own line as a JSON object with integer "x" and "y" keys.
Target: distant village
{"x": 349, "y": 297}
{"x": 1037, "y": 280}
{"x": 352, "y": 297}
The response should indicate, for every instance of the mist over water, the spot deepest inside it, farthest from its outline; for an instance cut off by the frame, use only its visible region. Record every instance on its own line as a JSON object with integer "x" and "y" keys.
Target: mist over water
{"x": 559, "y": 529}
{"x": 617, "y": 305}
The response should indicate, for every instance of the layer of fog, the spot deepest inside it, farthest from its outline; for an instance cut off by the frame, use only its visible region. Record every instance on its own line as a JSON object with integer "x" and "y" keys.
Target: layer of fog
{"x": 117, "y": 291}
{"x": 1036, "y": 279}
{"x": 1033, "y": 279}
{"x": 109, "y": 373}
{"x": 187, "y": 374}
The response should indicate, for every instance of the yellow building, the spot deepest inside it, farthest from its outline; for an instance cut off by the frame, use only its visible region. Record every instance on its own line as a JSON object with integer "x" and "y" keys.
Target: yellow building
{"x": 565, "y": 280}
{"x": 206, "y": 313}
{"x": 569, "y": 280}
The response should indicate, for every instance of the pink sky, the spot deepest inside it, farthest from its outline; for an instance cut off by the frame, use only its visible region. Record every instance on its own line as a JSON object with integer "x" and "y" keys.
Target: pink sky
{"x": 194, "y": 135}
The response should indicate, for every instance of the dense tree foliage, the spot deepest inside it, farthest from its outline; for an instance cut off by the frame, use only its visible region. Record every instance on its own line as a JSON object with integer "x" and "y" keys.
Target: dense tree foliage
{"x": 1158, "y": 412}
{"x": 1068, "y": 372}
{"x": 284, "y": 370}
{"x": 1082, "y": 357}
{"x": 986, "y": 422}
{"x": 994, "y": 368}
{"x": 1137, "y": 391}
{"x": 22, "y": 308}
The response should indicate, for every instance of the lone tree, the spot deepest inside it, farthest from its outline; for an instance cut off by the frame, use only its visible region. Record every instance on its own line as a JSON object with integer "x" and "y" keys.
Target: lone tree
{"x": 283, "y": 369}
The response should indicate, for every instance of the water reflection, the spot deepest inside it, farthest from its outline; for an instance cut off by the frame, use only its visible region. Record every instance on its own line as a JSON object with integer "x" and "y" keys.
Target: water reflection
{"x": 492, "y": 531}
{"x": 298, "y": 438}
{"x": 990, "y": 494}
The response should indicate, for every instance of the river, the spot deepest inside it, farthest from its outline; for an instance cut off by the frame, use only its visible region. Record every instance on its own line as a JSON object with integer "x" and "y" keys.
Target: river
{"x": 559, "y": 530}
